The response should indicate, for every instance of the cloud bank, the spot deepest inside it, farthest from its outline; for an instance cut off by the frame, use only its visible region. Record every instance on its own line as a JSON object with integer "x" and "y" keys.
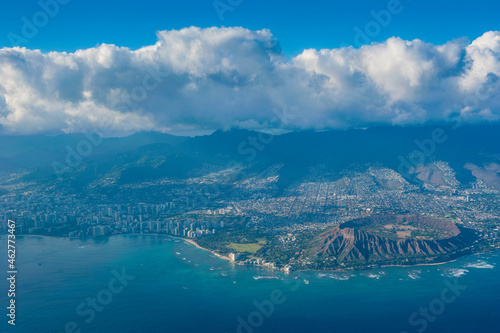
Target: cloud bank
{"x": 204, "y": 79}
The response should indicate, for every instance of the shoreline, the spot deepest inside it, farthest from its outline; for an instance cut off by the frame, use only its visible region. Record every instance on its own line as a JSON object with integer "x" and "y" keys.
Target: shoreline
{"x": 45, "y": 236}
{"x": 192, "y": 242}
{"x": 381, "y": 266}
{"x": 430, "y": 264}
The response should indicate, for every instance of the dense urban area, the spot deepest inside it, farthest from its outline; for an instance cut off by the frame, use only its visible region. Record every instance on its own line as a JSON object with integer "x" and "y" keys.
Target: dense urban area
{"x": 250, "y": 220}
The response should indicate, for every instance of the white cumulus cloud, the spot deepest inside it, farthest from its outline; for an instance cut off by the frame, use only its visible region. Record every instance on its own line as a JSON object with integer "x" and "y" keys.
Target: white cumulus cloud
{"x": 204, "y": 79}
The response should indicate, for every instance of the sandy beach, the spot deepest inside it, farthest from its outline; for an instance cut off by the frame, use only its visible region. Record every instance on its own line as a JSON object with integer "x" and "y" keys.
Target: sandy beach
{"x": 190, "y": 241}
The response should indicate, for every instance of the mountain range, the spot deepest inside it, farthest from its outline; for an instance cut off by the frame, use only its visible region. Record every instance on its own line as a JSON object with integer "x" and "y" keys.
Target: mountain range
{"x": 472, "y": 153}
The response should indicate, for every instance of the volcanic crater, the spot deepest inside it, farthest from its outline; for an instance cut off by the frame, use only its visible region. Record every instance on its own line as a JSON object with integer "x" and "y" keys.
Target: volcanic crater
{"x": 391, "y": 239}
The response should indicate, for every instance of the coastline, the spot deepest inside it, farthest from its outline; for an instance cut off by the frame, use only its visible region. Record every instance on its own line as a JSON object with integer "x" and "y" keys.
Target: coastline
{"x": 45, "y": 236}
{"x": 381, "y": 266}
{"x": 192, "y": 242}
{"x": 430, "y": 264}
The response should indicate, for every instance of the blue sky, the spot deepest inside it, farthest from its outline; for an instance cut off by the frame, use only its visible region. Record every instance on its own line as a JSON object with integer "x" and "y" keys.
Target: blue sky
{"x": 186, "y": 67}
{"x": 297, "y": 24}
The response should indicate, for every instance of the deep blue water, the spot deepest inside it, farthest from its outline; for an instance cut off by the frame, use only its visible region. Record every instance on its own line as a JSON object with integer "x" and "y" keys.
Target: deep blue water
{"x": 179, "y": 288}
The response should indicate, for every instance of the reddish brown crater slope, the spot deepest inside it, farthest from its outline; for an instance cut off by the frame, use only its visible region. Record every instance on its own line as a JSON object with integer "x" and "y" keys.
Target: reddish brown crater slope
{"x": 391, "y": 237}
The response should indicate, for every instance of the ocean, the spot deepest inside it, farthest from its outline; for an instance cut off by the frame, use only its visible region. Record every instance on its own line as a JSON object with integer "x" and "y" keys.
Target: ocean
{"x": 153, "y": 283}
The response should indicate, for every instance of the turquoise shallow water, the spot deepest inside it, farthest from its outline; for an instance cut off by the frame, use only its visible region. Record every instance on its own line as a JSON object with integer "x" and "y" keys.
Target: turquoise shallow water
{"x": 179, "y": 288}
